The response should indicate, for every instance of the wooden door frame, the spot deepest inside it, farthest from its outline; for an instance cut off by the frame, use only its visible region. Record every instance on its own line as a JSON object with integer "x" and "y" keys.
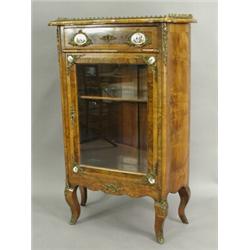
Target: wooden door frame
{"x": 153, "y": 99}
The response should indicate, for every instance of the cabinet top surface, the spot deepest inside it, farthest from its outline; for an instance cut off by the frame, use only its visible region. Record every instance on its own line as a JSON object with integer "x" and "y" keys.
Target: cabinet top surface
{"x": 170, "y": 18}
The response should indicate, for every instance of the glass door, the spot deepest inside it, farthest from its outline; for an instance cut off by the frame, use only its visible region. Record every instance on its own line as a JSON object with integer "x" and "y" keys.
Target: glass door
{"x": 113, "y": 114}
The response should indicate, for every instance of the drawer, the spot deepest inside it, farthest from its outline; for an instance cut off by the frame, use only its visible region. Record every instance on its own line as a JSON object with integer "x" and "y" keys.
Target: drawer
{"x": 113, "y": 38}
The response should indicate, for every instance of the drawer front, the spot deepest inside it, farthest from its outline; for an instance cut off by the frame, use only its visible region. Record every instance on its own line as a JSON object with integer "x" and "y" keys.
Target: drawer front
{"x": 113, "y": 38}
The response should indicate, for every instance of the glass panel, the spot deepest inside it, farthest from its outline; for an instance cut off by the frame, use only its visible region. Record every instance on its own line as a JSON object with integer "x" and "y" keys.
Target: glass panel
{"x": 112, "y": 101}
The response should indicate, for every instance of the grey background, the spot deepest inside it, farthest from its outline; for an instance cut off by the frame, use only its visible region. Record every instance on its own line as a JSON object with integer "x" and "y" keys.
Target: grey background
{"x": 119, "y": 222}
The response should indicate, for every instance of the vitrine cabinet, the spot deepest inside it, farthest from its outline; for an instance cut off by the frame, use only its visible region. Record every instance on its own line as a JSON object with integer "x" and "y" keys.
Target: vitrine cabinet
{"x": 125, "y": 86}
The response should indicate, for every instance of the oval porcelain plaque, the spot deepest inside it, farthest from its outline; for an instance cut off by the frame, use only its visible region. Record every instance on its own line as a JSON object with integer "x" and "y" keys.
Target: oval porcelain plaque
{"x": 138, "y": 38}
{"x": 80, "y": 39}
{"x": 151, "y": 60}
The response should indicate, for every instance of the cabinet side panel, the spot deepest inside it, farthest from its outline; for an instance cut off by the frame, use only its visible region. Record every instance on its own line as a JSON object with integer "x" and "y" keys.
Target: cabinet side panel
{"x": 179, "y": 80}
{"x": 64, "y": 100}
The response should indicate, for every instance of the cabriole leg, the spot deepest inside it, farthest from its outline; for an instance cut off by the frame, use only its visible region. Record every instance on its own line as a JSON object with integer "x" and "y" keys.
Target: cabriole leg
{"x": 161, "y": 210}
{"x": 71, "y": 198}
{"x": 185, "y": 194}
{"x": 84, "y": 195}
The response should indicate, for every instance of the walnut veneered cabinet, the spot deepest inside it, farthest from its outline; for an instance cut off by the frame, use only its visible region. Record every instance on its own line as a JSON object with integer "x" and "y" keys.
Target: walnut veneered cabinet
{"x": 125, "y": 87}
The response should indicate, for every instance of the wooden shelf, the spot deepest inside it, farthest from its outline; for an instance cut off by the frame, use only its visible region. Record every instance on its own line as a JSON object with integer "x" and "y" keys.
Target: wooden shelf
{"x": 116, "y": 99}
